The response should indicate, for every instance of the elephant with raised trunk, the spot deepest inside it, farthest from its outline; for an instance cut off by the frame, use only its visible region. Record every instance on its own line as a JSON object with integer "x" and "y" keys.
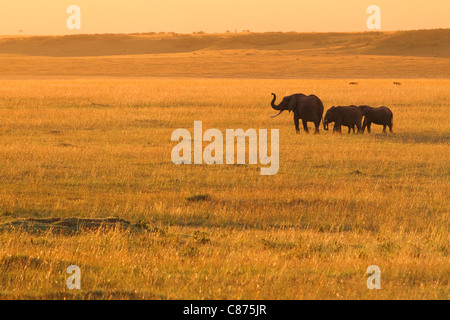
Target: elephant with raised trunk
{"x": 349, "y": 116}
{"x": 308, "y": 108}
{"x": 382, "y": 116}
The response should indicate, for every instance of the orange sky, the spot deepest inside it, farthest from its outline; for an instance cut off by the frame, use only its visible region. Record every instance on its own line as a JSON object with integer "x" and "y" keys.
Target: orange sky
{"x": 185, "y": 16}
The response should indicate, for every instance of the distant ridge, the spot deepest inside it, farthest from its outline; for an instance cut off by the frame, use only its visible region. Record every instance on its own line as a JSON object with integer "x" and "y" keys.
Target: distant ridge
{"x": 425, "y": 43}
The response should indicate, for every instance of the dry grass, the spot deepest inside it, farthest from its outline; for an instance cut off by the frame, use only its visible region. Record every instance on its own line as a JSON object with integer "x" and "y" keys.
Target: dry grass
{"x": 248, "y": 64}
{"x": 101, "y": 147}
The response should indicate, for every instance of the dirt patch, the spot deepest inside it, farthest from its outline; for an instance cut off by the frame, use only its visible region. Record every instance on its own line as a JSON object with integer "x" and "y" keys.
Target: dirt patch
{"x": 70, "y": 225}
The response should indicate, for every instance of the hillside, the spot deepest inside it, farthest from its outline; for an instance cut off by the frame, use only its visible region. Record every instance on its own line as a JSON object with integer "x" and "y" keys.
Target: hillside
{"x": 408, "y": 54}
{"x": 427, "y": 43}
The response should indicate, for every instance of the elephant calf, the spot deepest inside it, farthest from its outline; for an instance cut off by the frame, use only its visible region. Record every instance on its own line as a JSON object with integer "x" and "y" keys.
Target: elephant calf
{"x": 349, "y": 116}
{"x": 382, "y": 116}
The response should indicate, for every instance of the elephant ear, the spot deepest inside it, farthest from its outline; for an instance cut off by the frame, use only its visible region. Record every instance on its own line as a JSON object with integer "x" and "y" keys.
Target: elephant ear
{"x": 292, "y": 103}
{"x": 365, "y": 110}
{"x": 338, "y": 114}
{"x": 333, "y": 113}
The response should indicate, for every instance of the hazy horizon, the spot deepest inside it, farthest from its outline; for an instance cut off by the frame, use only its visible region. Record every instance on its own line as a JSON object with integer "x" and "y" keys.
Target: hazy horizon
{"x": 181, "y": 16}
{"x": 208, "y": 33}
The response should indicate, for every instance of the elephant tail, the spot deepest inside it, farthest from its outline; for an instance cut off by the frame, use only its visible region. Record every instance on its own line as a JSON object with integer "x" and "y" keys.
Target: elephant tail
{"x": 319, "y": 104}
{"x": 322, "y": 108}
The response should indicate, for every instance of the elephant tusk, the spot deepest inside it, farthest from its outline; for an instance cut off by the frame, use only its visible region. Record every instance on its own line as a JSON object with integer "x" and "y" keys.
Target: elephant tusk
{"x": 277, "y": 114}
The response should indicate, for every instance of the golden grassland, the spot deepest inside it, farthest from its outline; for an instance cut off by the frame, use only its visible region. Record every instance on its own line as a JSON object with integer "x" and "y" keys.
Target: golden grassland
{"x": 251, "y": 64}
{"x": 99, "y": 147}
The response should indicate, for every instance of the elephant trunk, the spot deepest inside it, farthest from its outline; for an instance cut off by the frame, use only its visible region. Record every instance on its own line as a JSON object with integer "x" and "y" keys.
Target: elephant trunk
{"x": 274, "y": 106}
{"x": 325, "y": 125}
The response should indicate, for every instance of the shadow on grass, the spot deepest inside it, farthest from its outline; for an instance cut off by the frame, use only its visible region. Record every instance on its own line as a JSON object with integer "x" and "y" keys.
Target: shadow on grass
{"x": 296, "y": 213}
{"x": 407, "y": 137}
{"x": 69, "y": 226}
{"x": 88, "y": 295}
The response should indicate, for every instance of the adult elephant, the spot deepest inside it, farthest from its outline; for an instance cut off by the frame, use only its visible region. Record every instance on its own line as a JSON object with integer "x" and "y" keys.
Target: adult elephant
{"x": 349, "y": 116}
{"x": 382, "y": 116}
{"x": 308, "y": 108}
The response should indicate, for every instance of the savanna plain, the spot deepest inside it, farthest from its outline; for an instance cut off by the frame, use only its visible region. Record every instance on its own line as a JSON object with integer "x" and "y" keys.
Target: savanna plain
{"x": 82, "y": 139}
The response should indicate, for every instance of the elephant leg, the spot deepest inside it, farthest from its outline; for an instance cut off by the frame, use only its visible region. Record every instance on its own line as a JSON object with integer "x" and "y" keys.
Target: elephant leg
{"x": 296, "y": 123}
{"x": 358, "y": 126}
{"x": 384, "y": 128}
{"x": 317, "y": 125}
{"x": 349, "y": 129}
{"x": 305, "y": 125}
{"x": 368, "y": 127}
{"x": 336, "y": 129}
{"x": 390, "y": 128}
{"x": 364, "y": 125}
